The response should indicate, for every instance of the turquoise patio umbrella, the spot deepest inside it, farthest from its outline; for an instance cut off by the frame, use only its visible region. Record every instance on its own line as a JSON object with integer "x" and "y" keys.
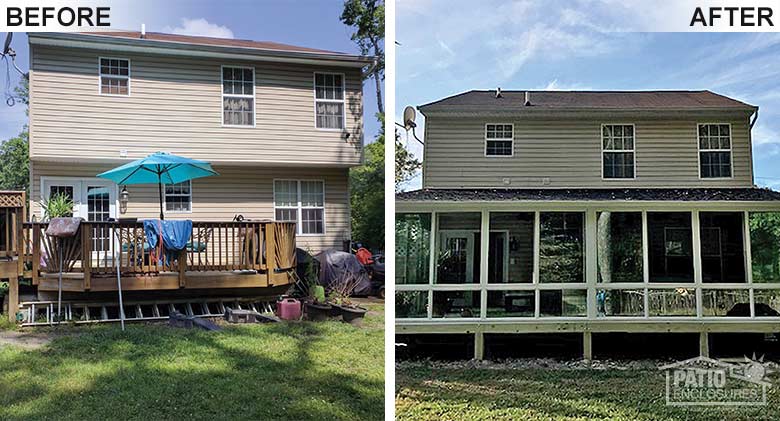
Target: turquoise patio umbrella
{"x": 159, "y": 168}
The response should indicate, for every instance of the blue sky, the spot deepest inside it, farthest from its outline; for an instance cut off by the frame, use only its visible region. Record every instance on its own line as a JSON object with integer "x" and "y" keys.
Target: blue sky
{"x": 313, "y": 24}
{"x": 454, "y": 46}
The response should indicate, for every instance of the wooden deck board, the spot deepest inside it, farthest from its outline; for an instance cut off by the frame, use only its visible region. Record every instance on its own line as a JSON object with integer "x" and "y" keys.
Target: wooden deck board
{"x": 166, "y": 281}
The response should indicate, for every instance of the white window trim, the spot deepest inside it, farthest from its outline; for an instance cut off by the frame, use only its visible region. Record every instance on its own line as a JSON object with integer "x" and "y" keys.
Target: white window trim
{"x": 165, "y": 201}
{"x": 253, "y": 96}
{"x": 730, "y": 150}
{"x": 299, "y": 206}
{"x": 512, "y": 140}
{"x": 342, "y": 101}
{"x": 603, "y": 151}
{"x": 100, "y": 76}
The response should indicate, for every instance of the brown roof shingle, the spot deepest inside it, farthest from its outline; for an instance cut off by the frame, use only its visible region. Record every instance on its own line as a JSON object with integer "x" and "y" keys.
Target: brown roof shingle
{"x": 218, "y": 42}
{"x": 753, "y": 194}
{"x": 588, "y": 100}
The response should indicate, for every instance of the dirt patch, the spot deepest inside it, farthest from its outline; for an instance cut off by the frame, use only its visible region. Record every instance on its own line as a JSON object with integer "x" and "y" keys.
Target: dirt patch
{"x": 28, "y": 340}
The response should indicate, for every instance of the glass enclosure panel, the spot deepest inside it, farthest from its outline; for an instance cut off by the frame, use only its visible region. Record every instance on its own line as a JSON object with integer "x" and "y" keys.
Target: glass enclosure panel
{"x": 670, "y": 243}
{"x": 511, "y": 303}
{"x": 620, "y": 302}
{"x": 412, "y": 248}
{"x": 457, "y": 248}
{"x": 566, "y": 303}
{"x": 672, "y": 302}
{"x": 722, "y": 247}
{"x": 456, "y": 303}
{"x": 765, "y": 246}
{"x": 411, "y": 304}
{"x": 561, "y": 247}
{"x": 767, "y": 302}
{"x": 725, "y": 302}
{"x": 511, "y": 248}
{"x": 619, "y": 246}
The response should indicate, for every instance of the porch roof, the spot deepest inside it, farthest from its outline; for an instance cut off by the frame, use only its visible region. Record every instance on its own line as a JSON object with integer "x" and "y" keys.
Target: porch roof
{"x": 753, "y": 194}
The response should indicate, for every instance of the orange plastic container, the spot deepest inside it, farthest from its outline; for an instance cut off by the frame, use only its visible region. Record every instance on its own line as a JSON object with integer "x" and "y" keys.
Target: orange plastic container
{"x": 288, "y": 309}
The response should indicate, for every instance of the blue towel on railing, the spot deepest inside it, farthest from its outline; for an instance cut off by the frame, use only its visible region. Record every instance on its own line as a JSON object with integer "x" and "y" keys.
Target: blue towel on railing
{"x": 175, "y": 236}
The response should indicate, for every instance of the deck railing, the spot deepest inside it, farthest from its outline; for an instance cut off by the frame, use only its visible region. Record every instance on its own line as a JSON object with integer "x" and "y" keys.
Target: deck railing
{"x": 99, "y": 247}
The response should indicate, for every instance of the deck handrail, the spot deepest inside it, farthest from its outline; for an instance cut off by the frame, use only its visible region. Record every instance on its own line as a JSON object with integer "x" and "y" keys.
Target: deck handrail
{"x": 259, "y": 246}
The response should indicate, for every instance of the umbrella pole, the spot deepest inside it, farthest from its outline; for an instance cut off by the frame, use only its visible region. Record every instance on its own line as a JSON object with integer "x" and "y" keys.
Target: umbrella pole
{"x": 159, "y": 186}
{"x": 119, "y": 288}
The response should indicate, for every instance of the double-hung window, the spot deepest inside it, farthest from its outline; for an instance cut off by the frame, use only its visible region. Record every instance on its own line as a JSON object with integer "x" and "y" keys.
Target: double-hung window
{"x": 238, "y": 96}
{"x": 114, "y": 76}
{"x": 302, "y": 202}
{"x": 499, "y": 139}
{"x": 329, "y": 100}
{"x": 178, "y": 197}
{"x": 617, "y": 148}
{"x": 715, "y": 150}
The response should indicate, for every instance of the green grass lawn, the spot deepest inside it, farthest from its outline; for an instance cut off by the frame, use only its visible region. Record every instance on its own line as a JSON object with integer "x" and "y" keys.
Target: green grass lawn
{"x": 294, "y": 371}
{"x": 425, "y": 392}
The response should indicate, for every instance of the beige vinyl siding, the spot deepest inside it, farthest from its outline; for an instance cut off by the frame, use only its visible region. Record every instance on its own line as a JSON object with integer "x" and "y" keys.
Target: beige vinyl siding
{"x": 568, "y": 153}
{"x": 245, "y": 190}
{"x": 175, "y": 105}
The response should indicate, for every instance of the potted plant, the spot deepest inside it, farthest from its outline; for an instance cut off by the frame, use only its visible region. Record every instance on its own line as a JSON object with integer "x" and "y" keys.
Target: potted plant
{"x": 315, "y": 306}
{"x": 58, "y": 206}
{"x": 340, "y": 296}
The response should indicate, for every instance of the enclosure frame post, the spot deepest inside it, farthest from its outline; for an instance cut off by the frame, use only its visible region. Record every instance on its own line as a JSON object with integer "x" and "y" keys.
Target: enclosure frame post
{"x": 704, "y": 344}
{"x": 587, "y": 346}
{"x": 479, "y": 346}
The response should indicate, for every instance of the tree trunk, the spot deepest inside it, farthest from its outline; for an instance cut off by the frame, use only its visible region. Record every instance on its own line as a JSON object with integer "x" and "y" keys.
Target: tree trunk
{"x": 377, "y": 79}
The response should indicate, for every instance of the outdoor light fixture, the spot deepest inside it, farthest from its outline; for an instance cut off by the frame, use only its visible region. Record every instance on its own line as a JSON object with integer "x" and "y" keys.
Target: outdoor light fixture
{"x": 124, "y": 197}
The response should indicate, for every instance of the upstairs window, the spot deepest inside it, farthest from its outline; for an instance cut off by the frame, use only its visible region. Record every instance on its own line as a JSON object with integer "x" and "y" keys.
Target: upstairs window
{"x": 329, "y": 101}
{"x": 238, "y": 96}
{"x": 499, "y": 139}
{"x": 715, "y": 150}
{"x": 178, "y": 197}
{"x": 114, "y": 76}
{"x": 302, "y": 202}
{"x": 617, "y": 148}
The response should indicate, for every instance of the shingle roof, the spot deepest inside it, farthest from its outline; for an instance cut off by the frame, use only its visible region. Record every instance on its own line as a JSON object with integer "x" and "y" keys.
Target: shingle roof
{"x": 219, "y": 42}
{"x": 589, "y": 100}
{"x": 503, "y": 195}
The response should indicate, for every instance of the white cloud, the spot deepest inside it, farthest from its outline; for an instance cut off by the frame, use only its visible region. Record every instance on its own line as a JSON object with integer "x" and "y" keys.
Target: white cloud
{"x": 554, "y": 85}
{"x": 200, "y": 27}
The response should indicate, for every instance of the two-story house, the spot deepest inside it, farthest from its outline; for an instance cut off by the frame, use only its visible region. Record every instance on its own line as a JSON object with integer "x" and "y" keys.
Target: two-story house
{"x": 588, "y": 213}
{"x": 281, "y": 124}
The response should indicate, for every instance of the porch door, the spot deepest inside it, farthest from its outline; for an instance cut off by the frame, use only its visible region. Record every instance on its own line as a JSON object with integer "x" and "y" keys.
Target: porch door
{"x": 93, "y": 200}
{"x": 456, "y": 252}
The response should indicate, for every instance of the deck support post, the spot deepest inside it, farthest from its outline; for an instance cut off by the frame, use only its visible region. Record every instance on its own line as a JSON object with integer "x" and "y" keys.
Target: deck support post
{"x": 182, "y": 267}
{"x": 13, "y": 298}
{"x": 704, "y": 344}
{"x": 86, "y": 254}
{"x": 36, "y": 252}
{"x": 479, "y": 346}
{"x": 270, "y": 251}
{"x": 587, "y": 346}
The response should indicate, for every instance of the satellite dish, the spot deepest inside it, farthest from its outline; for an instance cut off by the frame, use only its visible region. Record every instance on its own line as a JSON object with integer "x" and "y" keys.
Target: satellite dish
{"x": 409, "y": 116}
{"x": 7, "y": 45}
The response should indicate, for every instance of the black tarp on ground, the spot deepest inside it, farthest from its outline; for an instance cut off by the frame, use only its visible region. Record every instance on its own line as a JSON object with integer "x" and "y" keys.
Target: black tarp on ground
{"x": 335, "y": 265}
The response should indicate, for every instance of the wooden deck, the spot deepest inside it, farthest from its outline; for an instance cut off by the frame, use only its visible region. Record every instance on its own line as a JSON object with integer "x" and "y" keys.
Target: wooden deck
{"x": 218, "y": 256}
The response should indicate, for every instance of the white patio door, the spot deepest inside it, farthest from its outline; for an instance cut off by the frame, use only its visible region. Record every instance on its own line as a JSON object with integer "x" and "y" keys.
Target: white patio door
{"x": 93, "y": 200}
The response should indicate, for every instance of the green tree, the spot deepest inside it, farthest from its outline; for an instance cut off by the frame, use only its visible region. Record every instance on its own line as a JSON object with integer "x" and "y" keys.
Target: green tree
{"x": 367, "y": 17}
{"x": 367, "y": 198}
{"x": 406, "y": 165}
{"x": 14, "y": 152}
